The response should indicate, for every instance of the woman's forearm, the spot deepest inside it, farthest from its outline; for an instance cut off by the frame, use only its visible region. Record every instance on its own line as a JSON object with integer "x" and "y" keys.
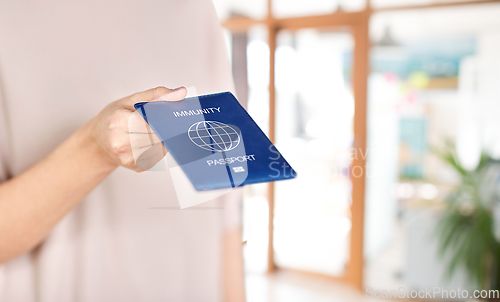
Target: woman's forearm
{"x": 32, "y": 203}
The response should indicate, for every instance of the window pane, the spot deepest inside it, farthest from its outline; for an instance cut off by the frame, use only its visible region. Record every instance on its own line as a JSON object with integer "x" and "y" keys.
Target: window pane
{"x": 389, "y": 3}
{"x": 256, "y": 9}
{"x": 255, "y": 203}
{"x": 251, "y": 76}
{"x": 435, "y": 78}
{"x": 292, "y": 8}
{"x": 314, "y": 131}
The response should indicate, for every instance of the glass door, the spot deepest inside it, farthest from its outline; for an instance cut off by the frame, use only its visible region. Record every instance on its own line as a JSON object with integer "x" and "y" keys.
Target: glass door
{"x": 314, "y": 131}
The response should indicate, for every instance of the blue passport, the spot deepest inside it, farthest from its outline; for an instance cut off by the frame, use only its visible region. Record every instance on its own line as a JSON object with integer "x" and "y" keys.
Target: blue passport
{"x": 215, "y": 141}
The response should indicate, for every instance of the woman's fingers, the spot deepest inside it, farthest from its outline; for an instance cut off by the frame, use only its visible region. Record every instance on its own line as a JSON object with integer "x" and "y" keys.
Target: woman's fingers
{"x": 176, "y": 94}
{"x": 154, "y": 94}
{"x": 150, "y": 157}
{"x": 144, "y": 96}
{"x": 145, "y": 146}
{"x": 125, "y": 136}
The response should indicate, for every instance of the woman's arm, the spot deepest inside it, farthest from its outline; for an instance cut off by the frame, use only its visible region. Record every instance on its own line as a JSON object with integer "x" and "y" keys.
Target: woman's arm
{"x": 32, "y": 203}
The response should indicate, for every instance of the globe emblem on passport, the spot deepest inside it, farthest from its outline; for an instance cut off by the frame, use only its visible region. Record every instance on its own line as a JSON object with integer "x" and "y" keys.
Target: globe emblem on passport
{"x": 214, "y": 136}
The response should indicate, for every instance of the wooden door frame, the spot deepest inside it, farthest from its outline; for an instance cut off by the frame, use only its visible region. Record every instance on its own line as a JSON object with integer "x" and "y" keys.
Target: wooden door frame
{"x": 358, "y": 24}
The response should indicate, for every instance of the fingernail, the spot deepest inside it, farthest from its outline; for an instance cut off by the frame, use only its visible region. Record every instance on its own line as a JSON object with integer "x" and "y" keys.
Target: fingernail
{"x": 175, "y": 89}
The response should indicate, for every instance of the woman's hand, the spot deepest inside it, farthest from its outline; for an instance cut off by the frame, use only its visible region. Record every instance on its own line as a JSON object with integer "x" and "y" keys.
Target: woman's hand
{"x": 123, "y": 135}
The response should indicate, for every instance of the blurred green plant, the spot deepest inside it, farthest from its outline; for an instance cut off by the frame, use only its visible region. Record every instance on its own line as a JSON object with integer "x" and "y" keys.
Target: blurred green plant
{"x": 466, "y": 230}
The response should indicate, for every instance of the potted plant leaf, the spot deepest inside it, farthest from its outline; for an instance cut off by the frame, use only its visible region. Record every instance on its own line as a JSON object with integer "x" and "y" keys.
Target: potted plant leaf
{"x": 466, "y": 230}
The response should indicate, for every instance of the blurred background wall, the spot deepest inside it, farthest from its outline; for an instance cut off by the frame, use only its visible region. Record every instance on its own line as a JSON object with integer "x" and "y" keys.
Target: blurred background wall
{"x": 364, "y": 99}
